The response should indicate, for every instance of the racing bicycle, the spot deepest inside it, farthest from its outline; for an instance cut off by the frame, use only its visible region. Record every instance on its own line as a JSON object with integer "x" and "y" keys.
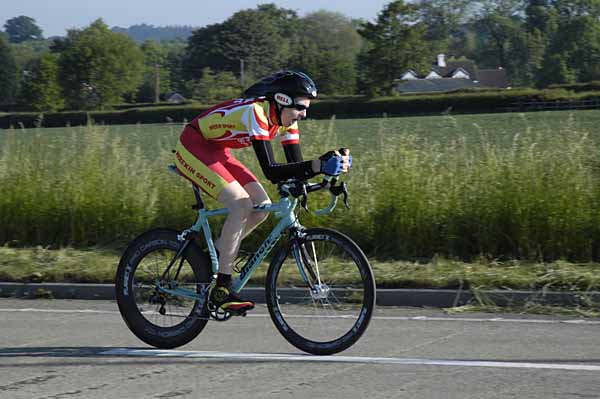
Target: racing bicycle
{"x": 319, "y": 289}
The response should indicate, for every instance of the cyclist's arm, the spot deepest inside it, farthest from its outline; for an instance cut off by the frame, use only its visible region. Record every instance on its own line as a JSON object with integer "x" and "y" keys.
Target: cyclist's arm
{"x": 277, "y": 172}
{"x": 292, "y": 153}
{"x": 290, "y": 141}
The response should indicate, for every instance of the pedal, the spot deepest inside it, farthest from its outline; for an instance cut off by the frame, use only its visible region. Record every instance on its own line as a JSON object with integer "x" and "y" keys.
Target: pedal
{"x": 220, "y": 316}
{"x": 217, "y": 314}
{"x": 242, "y": 313}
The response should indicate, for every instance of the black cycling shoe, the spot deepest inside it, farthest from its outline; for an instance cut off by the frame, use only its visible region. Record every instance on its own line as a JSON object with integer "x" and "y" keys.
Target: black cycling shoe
{"x": 221, "y": 298}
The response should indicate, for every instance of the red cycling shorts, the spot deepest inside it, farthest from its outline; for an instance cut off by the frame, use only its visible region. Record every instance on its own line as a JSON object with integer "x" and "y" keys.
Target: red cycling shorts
{"x": 210, "y": 166}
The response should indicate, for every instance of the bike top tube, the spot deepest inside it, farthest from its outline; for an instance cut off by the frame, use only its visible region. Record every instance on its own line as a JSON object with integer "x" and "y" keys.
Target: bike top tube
{"x": 278, "y": 206}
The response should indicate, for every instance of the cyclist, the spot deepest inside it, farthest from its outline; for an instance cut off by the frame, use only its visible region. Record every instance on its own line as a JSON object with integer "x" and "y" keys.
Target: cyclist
{"x": 272, "y": 106}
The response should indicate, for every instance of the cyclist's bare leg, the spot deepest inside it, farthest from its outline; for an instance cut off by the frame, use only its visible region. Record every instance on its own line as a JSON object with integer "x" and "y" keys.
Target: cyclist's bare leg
{"x": 240, "y": 205}
{"x": 259, "y": 196}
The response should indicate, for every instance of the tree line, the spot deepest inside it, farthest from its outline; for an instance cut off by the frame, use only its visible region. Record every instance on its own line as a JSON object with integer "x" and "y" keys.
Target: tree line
{"x": 538, "y": 42}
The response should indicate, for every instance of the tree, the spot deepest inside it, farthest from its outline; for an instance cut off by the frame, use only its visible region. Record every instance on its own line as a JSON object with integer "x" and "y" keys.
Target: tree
{"x": 397, "y": 43}
{"x": 213, "y": 87}
{"x": 573, "y": 54}
{"x": 529, "y": 43}
{"x": 155, "y": 60}
{"x": 8, "y": 72}
{"x": 525, "y": 55}
{"x": 22, "y": 28}
{"x": 262, "y": 37}
{"x": 555, "y": 70}
{"x": 175, "y": 62}
{"x": 327, "y": 51}
{"x": 444, "y": 19}
{"x": 568, "y": 9}
{"x": 203, "y": 51}
{"x": 41, "y": 90}
{"x": 98, "y": 67}
{"x": 144, "y": 32}
{"x": 503, "y": 40}
{"x": 541, "y": 17}
{"x": 498, "y": 30}
{"x": 502, "y": 7}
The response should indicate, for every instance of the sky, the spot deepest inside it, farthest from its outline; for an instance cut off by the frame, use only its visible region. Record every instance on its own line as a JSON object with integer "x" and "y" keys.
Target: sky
{"x": 54, "y": 17}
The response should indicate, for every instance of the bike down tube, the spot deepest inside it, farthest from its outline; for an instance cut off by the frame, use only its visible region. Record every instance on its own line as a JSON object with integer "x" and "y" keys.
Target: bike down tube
{"x": 278, "y": 208}
{"x": 285, "y": 210}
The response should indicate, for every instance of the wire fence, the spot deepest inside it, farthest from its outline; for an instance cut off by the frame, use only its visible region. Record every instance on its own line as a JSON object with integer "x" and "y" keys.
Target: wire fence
{"x": 553, "y": 105}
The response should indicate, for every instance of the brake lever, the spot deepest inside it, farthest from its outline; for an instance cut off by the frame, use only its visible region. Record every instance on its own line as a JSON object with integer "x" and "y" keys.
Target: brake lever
{"x": 304, "y": 199}
{"x": 345, "y": 192}
{"x": 341, "y": 189}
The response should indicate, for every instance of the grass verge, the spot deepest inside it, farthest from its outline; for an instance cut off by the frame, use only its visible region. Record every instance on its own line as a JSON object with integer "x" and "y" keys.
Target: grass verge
{"x": 96, "y": 265}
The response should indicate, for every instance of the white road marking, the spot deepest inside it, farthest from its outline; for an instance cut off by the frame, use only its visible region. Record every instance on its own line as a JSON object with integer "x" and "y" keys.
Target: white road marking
{"x": 390, "y": 318}
{"x": 346, "y": 359}
{"x": 31, "y": 310}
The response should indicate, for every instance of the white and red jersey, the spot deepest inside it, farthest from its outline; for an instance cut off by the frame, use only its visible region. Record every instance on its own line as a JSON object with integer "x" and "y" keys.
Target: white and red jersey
{"x": 235, "y": 123}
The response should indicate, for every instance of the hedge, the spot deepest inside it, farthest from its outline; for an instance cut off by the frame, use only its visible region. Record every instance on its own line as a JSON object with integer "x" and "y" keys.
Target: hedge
{"x": 405, "y": 105}
{"x": 578, "y": 87}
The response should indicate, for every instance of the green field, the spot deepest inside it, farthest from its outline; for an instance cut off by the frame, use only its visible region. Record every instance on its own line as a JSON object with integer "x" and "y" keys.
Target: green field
{"x": 497, "y": 186}
{"x": 361, "y": 134}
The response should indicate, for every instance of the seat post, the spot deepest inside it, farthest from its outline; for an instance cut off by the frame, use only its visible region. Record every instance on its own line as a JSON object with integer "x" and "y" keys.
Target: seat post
{"x": 199, "y": 203}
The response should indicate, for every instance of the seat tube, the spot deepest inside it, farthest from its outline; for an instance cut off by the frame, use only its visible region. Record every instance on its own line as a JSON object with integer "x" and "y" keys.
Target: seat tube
{"x": 202, "y": 223}
{"x": 287, "y": 220}
{"x": 214, "y": 260}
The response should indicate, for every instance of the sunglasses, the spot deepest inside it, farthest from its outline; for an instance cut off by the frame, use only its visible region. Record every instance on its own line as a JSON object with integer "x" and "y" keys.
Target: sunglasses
{"x": 300, "y": 107}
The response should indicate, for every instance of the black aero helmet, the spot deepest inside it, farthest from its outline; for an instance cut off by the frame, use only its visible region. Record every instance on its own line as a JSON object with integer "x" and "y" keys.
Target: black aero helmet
{"x": 283, "y": 87}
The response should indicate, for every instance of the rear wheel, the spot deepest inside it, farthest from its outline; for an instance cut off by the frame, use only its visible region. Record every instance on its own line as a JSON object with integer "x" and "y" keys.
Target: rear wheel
{"x": 321, "y": 292}
{"x": 165, "y": 309}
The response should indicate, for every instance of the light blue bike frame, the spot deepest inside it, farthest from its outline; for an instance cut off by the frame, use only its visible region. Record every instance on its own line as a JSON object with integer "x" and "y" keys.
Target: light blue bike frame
{"x": 283, "y": 210}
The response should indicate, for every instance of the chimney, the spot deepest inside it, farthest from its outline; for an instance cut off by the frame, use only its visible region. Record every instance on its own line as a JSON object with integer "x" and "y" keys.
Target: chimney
{"x": 441, "y": 60}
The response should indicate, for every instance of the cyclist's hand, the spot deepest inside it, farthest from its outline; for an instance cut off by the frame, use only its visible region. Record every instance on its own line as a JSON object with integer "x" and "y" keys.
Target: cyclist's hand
{"x": 333, "y": 163}
{"x": 346, "y": 158}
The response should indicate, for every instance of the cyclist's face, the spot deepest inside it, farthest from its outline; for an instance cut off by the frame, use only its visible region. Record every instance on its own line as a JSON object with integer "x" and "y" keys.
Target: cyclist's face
{"x": 292, "y": 114}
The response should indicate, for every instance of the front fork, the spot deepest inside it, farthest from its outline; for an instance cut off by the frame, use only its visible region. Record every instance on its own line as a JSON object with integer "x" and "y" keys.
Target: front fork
{"x": 308, "y": 264}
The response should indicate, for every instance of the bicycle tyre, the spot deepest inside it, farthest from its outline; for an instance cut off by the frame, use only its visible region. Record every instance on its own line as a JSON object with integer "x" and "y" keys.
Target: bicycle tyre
{"x": 350, "y": 287}
{"x": 132, "y": 287}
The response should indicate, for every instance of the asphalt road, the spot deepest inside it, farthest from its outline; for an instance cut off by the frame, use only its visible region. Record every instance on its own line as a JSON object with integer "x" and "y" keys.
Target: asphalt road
{"x": 59, "y": 349}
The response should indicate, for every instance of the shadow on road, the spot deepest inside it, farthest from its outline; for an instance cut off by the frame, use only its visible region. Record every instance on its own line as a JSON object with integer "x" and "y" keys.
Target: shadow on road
{"x": 99, "y": 353}
{"x": 56, "y": 351}
{"x": 92, "y": 355}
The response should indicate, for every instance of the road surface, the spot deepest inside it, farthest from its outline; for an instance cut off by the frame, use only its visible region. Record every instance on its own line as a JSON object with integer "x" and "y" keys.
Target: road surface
{"x": 60, "y": 349}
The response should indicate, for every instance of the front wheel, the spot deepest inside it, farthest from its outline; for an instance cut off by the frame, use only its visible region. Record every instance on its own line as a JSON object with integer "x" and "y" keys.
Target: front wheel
{"x": 320, "y": 291}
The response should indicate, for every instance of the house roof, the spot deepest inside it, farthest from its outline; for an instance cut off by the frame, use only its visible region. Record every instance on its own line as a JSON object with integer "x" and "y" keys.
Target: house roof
{"x": 493, "y": 77}
{"x": 451, "y": 66}
{"x": 478, "y": 78}
{"x": 434, "y": 85}
{"x": 175, "y": 98}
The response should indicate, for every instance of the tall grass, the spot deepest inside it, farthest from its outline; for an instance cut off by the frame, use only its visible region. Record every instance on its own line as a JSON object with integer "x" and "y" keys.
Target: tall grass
{"x": 537, "y": 198}
{"x": 85, "y": 190}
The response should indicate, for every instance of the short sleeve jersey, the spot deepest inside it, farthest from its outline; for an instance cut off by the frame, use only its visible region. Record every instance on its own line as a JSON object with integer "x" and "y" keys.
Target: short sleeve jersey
{"x": 235, "y": 123}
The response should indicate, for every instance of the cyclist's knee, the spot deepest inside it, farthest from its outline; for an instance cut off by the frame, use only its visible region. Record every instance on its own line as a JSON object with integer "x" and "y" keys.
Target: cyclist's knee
{"x": 235, "y": 198}
{"x": 241, "y": 207}
{"x": 262, "y": 216}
